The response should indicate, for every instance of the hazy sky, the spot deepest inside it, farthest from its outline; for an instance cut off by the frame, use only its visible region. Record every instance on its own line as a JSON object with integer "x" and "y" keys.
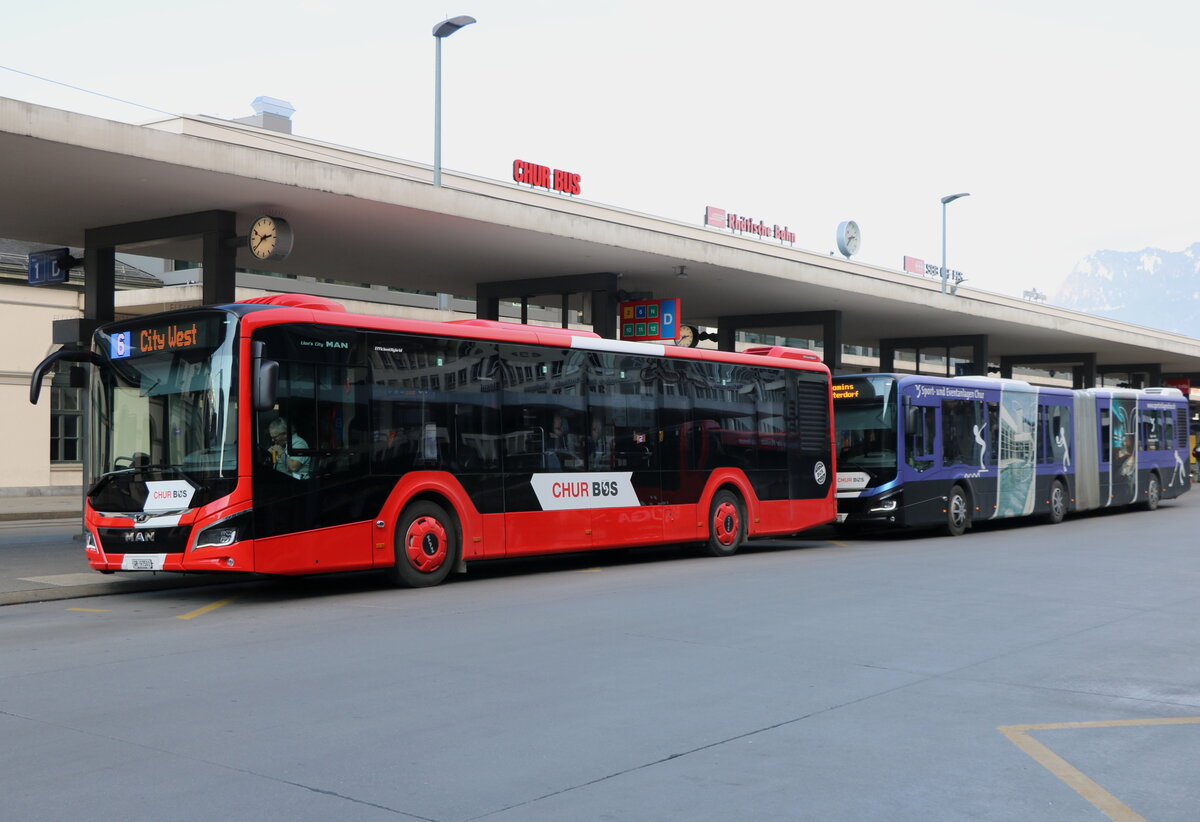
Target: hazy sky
{"x": 1072, "y": 123}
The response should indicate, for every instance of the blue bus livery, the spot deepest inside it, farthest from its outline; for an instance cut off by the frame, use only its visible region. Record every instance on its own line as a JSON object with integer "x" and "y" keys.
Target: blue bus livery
{"x": 928, "y": 451}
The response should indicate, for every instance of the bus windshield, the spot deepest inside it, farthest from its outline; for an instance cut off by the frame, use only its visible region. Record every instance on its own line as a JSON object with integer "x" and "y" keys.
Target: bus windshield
{"x": 163, "y": 408}
{"x": 865, "y": 418}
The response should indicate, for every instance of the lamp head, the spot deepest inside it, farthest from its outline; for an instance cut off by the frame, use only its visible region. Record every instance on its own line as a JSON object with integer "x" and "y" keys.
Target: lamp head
{"x": 448, "y": 27}
{"x": 949, "y": 198}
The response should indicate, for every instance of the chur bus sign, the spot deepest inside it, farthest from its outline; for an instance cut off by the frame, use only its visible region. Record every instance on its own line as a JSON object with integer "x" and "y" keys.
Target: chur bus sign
{"x": 532, "y": 174}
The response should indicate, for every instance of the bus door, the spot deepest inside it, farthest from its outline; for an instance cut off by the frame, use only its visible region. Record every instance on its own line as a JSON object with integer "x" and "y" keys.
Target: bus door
{"x": 1118, "y": 450}
{"x": 924, "y": 479}
{"x": 311, "y": 477}
{"x": 966, "y": 455}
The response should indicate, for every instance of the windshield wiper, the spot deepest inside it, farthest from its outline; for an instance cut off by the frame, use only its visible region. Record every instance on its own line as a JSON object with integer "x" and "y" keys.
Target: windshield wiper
{"x": 141, "y": 469}
{"x": 165, "y": 467}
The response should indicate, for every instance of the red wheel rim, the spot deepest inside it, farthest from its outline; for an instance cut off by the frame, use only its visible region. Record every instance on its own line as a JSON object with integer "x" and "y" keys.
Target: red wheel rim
{"x": 726, "y": 523}
{"x": 425, "y": 544}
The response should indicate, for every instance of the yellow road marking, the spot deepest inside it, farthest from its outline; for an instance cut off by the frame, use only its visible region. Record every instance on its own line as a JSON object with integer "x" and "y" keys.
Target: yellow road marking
{"x": 92, "y": 610}
{"x": 838, "y": 544}
{"x": 1075, "y": 779}
{"x": 590, "y": 570}
{"x": 202, "y": 611}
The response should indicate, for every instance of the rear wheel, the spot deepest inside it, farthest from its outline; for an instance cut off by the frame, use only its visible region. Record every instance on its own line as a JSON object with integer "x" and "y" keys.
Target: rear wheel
{"x": 1058, "y": 503}
{"x": 958, "y": 512}
{"x": 726, "y": 525}
{"x": 427, "y": 545}
{"x": 1153, "y": 493}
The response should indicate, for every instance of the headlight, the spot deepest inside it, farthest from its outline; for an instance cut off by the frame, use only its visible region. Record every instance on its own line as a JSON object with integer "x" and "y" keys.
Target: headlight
{"x": 225, "y": 532}
{"x": 886, "y": 505}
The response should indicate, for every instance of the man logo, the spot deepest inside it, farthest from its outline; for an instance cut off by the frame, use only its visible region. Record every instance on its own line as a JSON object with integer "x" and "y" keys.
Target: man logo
{"x": 819, "y": 473}
{"x": 140, "y": 536}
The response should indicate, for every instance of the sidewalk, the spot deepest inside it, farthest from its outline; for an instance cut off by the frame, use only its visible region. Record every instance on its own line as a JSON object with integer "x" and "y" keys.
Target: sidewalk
{"x": 42, "y": 557}
{"x": 40, "y": 508}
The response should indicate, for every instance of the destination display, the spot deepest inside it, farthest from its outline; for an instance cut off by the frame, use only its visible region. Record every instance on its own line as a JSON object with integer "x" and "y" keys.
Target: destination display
{"x": 204, "y": 332}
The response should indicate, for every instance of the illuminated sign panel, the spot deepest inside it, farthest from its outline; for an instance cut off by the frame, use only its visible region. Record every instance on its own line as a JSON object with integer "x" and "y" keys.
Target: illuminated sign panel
{"x": 650, "y": 320}
{"x": 846, "y": 391}
{"x": 167, "y": 336}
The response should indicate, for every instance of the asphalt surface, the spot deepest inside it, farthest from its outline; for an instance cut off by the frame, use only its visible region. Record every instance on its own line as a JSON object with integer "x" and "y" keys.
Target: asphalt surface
{"x": 1022, "y": 672}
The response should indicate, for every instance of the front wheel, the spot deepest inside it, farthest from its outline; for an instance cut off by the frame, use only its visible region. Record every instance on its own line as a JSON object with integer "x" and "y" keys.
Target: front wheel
{"x": 958, "y": 512}
{"x": 726, "y": 525}
{"x": 427, "y": 546}
{"x": 1153, "y": 493}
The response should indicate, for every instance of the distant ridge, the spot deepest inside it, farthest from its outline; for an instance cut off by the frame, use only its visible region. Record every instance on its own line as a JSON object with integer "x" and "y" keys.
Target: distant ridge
{"x": 1155, "y": 288}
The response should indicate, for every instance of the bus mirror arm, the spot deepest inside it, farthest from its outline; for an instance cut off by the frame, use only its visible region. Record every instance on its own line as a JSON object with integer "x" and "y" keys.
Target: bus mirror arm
{"x": 266, "y": 379}
{"x": 68, "y": 354}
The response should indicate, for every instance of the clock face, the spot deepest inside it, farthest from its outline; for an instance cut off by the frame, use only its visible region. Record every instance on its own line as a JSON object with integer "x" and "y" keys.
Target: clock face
{"x": 848, "y": 238}
{"x": 270, "y": 238}
{"x": 688, "y": 336}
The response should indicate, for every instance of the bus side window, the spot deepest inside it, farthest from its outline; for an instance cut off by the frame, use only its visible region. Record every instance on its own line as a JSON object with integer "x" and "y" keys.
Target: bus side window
{"x": 1104, "y": 434}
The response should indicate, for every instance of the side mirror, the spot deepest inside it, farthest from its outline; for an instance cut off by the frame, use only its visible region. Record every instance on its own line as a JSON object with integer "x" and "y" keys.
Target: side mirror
{"x": 265, "y": 376}
{"x": 67, "y": 354}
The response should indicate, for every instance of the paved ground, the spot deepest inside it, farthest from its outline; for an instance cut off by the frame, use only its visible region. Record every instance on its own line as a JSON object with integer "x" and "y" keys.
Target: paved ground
{"x": 41, "y": 556}
{"x": 1023, "y": 672}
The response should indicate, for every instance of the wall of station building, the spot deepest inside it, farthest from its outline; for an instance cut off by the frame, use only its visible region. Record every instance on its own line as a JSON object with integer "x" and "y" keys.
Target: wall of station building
{"x": 26, "y": 323}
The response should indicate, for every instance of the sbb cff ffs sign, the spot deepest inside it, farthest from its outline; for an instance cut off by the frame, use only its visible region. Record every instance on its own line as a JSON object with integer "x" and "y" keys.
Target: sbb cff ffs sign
{"x": 531, "y": 174}
{"x": 650, "y": 320}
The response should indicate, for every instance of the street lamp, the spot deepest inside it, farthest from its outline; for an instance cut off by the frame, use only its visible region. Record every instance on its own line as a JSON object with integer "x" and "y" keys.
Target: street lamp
{"x": 441, "y": 31}
{"x": 949, "y": 198}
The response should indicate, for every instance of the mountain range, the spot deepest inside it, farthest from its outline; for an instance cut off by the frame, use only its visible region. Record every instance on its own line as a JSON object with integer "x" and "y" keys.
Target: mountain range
{"x": 1152, "y": 287}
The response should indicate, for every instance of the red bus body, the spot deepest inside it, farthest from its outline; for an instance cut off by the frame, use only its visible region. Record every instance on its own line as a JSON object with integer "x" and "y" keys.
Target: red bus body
{"x": 674, "y": 502}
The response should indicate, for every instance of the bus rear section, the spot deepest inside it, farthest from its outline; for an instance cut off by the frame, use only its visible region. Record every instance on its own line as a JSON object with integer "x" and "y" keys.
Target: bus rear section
{"x": 290, "y": 437}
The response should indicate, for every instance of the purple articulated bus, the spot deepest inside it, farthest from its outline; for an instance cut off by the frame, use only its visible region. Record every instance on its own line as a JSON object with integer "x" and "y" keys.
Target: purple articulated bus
{"x": 920, "y": 451}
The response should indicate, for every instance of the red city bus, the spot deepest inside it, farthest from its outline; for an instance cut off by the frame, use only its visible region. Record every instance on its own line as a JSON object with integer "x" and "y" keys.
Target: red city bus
{"x": 285, "y": 436}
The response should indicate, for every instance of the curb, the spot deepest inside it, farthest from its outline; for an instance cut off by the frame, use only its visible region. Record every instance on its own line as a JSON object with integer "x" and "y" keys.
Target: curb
{"x": 33, "y": 516}
{"x": 101, "y": 589}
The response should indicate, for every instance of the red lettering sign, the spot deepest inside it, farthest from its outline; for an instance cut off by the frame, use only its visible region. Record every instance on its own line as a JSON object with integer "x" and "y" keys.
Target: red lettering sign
{"x": 532, "y": 174}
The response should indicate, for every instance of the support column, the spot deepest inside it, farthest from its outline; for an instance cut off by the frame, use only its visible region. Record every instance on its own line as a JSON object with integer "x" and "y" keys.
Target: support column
{"x": 602, "y": 286}
{"x": 1083, "y": 366}
{"x": 216, "y": 228}
{"x": 829, "y": 321}
{"x": 1152, "y": 370}
{"x": 978, "y": 343}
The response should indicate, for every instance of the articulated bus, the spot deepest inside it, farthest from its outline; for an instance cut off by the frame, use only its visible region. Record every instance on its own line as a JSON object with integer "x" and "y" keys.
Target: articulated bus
{"x": 283, "y": 435}
{"x": 929, "y": 451}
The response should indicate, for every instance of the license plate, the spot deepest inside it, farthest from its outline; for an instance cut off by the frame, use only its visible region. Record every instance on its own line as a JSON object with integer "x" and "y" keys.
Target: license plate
{"x": 842, "y": 517}
{"x": 143, "y": 562}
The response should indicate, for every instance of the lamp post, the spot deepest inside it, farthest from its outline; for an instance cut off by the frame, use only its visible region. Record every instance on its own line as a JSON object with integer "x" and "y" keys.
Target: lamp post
{"x": 440, "y": 32}
{"x": 949, "y": 198}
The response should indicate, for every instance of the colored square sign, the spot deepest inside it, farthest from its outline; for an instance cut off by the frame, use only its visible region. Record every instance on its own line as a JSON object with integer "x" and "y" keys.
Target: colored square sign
{"x": 650, "y": 320}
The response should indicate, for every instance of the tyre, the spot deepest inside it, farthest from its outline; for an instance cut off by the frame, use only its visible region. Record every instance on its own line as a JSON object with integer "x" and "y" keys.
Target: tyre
{"x": 1153, "y": 493}
{"x": 958, "y": 512}
{"x": 1058, "y": 504}
{"x": 726, "y": 525}
{"x": 427, "y": 546}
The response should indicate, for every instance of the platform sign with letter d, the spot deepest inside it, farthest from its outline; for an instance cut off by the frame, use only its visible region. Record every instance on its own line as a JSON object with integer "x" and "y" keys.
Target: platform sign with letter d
{"x": 650, "y": 320}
